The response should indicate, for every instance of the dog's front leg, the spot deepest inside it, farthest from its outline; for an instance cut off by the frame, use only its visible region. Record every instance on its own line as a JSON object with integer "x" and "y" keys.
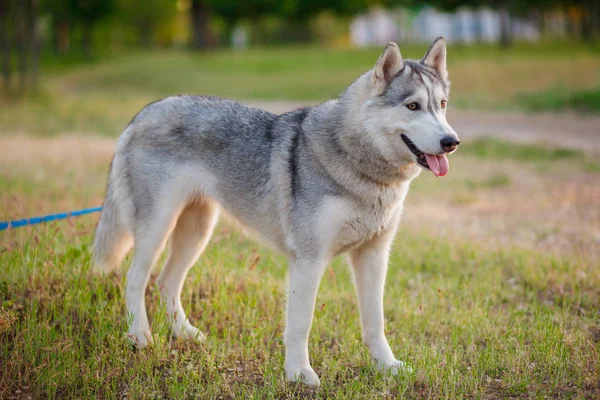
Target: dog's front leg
{"x": 369, "y": 263}
{"x": 305, "y": 276}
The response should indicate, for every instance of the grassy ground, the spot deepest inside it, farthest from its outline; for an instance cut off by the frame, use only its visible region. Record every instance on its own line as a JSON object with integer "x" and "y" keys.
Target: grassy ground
{"x": 101, "y": 98}
{"x": 560, "y": 98}
{"x": 481, "y": 316}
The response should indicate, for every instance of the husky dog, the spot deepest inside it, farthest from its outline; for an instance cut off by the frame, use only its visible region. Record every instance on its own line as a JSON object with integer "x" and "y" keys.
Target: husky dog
{"x": 313, "y": 183}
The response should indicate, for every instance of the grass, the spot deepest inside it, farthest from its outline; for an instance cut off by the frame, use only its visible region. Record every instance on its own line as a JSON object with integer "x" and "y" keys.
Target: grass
{"x": 489, "y": 147}
{"x": 560, "y": 98}
{"x": 473, "y": 322}
{"x": 100, "y": 98}
{"x": 492, "y": 148}
{"x": 493, "y": 181}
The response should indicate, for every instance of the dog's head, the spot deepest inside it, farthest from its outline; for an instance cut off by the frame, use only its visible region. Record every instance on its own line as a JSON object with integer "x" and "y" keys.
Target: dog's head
{"x": 404, "y": 107}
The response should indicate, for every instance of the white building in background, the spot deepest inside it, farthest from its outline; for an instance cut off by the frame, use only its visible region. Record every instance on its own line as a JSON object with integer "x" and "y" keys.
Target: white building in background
{"x": 488, "y": 25}
{"x": 429, "y": 23}
{"x": 379, "y": 26}
{"x": 375, "y": 28}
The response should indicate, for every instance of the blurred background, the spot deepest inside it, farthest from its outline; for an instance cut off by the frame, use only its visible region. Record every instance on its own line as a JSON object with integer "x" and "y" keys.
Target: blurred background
{"x": 38, "y": 36}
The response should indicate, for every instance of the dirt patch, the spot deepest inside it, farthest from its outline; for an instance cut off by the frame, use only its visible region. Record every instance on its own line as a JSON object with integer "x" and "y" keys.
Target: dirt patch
{"x": 69, "y": 149}
{"x": 559, "y": 216}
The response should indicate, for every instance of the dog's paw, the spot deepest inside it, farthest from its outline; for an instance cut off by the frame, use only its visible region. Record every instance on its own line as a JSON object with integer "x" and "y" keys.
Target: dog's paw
{"x": 305, "y": 375}
{"x": 140, "y": 338}
{"x": 188, "y": 332}
{"x": 393, "y": 367}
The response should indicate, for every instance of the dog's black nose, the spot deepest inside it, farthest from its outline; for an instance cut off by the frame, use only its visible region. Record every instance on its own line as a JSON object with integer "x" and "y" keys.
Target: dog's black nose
{"x": 449, "y": 143}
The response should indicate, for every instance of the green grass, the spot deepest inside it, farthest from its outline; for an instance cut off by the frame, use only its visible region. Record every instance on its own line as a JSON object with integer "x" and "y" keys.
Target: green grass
{"x": 490, "y": 148}
{"x": 561, "y": 98}
{"x": 102, "y": 97}
{"x": 493, "y": 181}
{"x": 473, "y": 323}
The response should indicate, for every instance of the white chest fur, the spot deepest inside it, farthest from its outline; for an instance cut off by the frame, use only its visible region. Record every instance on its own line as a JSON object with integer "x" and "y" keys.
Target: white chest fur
{"x": 347, "y": 223}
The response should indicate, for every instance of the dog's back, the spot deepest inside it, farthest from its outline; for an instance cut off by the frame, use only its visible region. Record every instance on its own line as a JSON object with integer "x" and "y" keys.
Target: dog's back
{"x": 184, "y": 149}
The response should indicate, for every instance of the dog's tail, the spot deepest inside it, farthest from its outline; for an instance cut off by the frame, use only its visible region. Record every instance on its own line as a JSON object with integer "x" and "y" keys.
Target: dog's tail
{"x": 113, "y": 238}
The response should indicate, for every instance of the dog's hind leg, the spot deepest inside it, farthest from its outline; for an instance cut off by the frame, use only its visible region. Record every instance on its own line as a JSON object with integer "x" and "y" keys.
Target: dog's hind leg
{"x": 189, "y": 238}
{"x": 151, "y": 233}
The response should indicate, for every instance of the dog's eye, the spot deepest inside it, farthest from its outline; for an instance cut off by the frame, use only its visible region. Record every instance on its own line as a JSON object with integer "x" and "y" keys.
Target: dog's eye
{"x": 412, "y": 106}
{"x": 444, "y": 103}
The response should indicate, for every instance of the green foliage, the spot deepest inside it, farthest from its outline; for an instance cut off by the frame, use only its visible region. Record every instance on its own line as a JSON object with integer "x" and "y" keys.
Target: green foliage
{"x": 91, "y": 11}
{"x": 147, "y": 16}
{"x": 234, "y": 10}
{"x": 59, "y": 10}
{"x": 302, "y": 10}
{"x": 299, "y": 10}
{"x": 78, "y": 11}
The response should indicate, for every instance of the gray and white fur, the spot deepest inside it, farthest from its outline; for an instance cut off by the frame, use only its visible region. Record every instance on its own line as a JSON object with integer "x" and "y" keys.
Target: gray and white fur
{"x": 313, "y": 183}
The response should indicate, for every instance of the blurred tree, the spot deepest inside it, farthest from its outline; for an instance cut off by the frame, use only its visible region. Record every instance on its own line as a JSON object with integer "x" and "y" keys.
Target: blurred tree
{"x": 147, "y": 16}
{"x": 87, "y": 13}
{"x": 35, "y": 41}
{"x": 69, "y": 14}
{"x": 232, "y": 11}
{"x": 5, "y": 43}
{"x": 302, "y": 10}
{"x": 297, "y": 11}
{"x": 200, "y": 16}
{"x": 590, "y": 23}
{"x": 22, "y": 28}
{"x": 19, "y": 33}
{"x": 62, "y": 18}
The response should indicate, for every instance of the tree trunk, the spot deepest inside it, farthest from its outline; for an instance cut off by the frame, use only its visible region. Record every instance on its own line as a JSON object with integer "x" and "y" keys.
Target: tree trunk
{"x": 589, "y": 23}
{"x": 506, "y": 37}
{"x": 35, "y": 43}
{"x": 586, "y": 22}
{"x": 145, "y": 29}
{"x": 22, "y": 44}
{"x": 201, "y": 35}
{"x": 228, "y": 31}
{"x": 62, "y": 37}
{"x": 5, "y": 43}
{"x": 86, "y": 39}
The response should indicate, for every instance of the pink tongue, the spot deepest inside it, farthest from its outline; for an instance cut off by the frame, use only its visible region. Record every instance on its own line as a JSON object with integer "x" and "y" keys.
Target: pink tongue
{"x": 438, "y": 164}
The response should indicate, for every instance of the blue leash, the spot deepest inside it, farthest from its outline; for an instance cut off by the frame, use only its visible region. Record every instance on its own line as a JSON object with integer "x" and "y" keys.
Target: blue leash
{"x": 47, "y": 218}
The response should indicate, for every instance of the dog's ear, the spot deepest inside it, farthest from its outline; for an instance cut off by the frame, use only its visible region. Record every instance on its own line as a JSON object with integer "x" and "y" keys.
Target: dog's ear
{"x": 387, "y": 66}
{"x": 436, "y": 57}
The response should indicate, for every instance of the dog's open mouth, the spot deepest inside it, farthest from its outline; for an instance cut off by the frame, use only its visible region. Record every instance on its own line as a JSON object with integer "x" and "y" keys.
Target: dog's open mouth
{"x": 436, "y": 163}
